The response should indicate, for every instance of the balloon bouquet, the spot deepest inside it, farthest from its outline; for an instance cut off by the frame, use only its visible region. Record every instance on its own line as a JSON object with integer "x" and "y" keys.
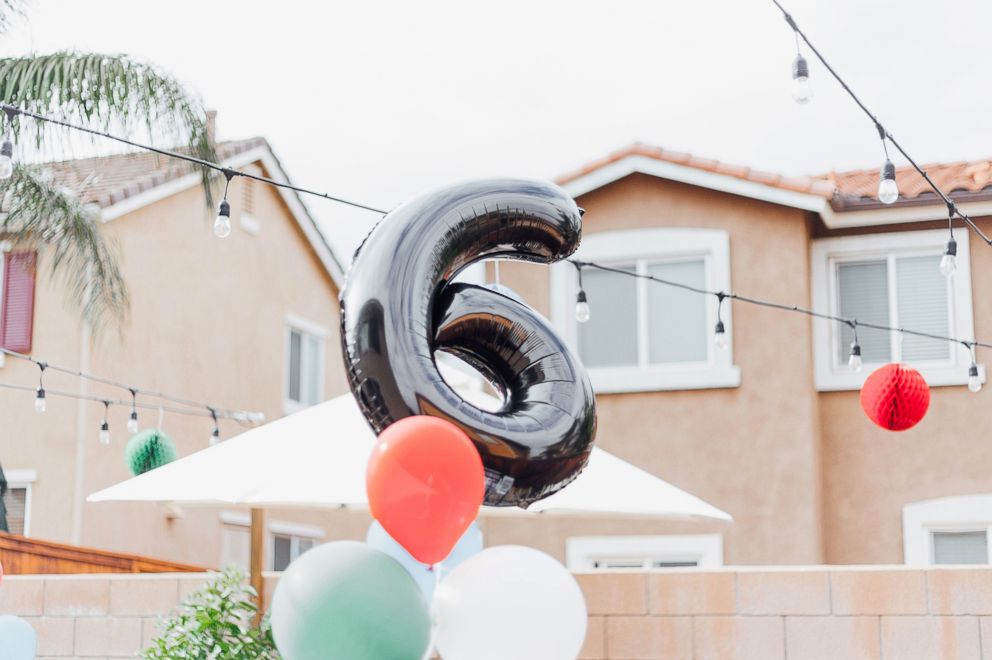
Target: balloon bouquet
{"x": 422, "y": 580}
{"x": 18, "y": 640}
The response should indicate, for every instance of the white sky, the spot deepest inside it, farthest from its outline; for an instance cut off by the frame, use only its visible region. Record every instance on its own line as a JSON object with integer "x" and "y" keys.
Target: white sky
{"x": 376, "y": 101}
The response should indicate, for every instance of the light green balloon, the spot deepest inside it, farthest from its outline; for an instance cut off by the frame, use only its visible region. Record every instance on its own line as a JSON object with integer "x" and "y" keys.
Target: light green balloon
{"x": 345, "y": 600}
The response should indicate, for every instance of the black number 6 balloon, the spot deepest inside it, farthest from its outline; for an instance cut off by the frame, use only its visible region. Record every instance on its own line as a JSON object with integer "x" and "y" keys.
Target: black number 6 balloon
{"x": 399, "y": 307}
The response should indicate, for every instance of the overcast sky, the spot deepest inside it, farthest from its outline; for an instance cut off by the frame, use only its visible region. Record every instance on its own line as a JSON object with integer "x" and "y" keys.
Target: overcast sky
{"x": 376, "y": 101}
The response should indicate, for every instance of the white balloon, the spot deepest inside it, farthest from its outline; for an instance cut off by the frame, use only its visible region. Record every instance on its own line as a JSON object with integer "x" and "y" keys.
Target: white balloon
{"x": 18, "y": 640}
{"x": 509, "y": 601}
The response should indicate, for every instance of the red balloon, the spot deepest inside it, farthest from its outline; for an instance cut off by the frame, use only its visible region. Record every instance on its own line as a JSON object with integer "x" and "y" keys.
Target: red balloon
{"x": 425, "y": 484}
{"x": 895, "y": 397}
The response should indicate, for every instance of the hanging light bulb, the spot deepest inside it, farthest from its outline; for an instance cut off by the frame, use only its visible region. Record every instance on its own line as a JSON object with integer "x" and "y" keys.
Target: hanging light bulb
{"x": 6, "y": 159}
{"x": 974, "y": 380}
{"x": 582, "y": 311}
{"x": 802, "y": 91}
{"x": 854, "y": 361}
{"x": 105, "y": 434}
{"x": 888, "y": 191}
{"x": 720, "y": 335}
{"x": 132, "y": 422}
{"x": 40, "y": 405}
{"x": 222, "y": 225}
{"x": 214, "y": 436}
{"x": 948, "y": 263}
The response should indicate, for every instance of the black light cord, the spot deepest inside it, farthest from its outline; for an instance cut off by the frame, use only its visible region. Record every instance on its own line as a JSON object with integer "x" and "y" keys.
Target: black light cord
{"x": 721, "y": 295}
{"x": 12, "y": 110}
{"x": 883, "y": 133}
{"x": 134, "y": 391}
{"x": 126, "y": 403}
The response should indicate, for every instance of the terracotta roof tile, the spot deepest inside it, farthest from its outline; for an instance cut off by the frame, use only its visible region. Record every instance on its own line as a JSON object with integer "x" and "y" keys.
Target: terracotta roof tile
{"x": 108, "y": 180}
{"x": 855, "y": 188}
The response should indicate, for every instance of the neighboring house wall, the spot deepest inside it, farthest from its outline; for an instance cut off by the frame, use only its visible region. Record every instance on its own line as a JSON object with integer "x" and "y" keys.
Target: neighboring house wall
{"x": 870, "y": 474}
{"x": 209, "y": 322}
{"x": 751, "y": 450}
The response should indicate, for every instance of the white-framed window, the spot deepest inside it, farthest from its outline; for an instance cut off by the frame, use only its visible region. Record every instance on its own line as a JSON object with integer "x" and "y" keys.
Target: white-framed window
{"x": 304, "y": 380}
{"x": 643, "y": 335}
{"x": 17, "y": 500}
{"x": 948, "y": 530}
{"x": 891, "y": 279}
{"x": 289, "y": 542}
{"x": 284, "y": 541}
{"x": 593, "y": 553}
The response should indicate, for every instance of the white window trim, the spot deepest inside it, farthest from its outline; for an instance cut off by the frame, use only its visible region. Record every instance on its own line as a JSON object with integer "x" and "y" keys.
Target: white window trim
{"x": 273, "y": 527}
{"x": 826, "y": 253}
{"x": 23, "y": 479}
{"x": 963, "y": 513}
{"x": 705, "y": 549}
{"x": 661, "y": 244}
{"x": 304, "y": 325}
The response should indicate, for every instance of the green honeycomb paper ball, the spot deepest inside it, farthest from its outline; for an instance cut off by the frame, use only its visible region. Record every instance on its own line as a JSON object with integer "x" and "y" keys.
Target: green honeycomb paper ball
{"x": 148, "y": 450}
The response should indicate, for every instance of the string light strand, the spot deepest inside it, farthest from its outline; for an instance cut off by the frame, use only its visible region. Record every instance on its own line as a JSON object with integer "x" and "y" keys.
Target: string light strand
{"x": 13, "y": 110}
{"x": 883, "y": 133}
{"x": 247, "y": 416}
{"x": 851, "y": 322}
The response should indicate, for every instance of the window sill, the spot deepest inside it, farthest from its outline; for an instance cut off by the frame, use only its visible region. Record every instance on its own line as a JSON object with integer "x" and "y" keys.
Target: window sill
{"x": 289, "y": 406}
{"x": 936, "y": 376}
{"x": 621, "y": 380}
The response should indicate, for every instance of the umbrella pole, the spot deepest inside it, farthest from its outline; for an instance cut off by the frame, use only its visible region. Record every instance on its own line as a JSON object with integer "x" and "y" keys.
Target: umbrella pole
{"x": 257, "y": 560}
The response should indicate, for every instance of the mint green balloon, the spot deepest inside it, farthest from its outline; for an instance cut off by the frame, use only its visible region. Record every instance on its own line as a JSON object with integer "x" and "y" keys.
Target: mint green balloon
{"x": 345, "y": 600}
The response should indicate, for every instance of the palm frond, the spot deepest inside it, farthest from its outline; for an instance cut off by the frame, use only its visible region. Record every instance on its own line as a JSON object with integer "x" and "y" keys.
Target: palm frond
{"x": 39, "y": 213}
{"x": 111, "y": 92}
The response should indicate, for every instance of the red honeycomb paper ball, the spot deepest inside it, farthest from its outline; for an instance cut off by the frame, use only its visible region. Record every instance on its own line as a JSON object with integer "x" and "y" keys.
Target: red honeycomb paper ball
{"x": 895, "y": 397}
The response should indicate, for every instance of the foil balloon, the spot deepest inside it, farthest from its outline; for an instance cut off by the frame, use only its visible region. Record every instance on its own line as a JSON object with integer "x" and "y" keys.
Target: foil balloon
{"x": 399, "y": 306}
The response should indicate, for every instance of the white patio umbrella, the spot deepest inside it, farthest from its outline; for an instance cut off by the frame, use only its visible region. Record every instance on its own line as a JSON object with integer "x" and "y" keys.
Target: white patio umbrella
{"x": 317, "y": 458}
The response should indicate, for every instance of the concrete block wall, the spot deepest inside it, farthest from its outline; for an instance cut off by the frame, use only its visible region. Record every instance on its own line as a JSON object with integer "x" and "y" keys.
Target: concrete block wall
{"x": 95, "y": 616}
{"x": 790, "y": 613}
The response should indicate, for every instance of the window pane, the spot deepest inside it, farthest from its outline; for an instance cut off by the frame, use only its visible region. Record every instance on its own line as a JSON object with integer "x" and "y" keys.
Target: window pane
{"x": 674, "y": 564}
{"x": 312, "y": 370}
{"x": 960, "y": 548}
{"x": 676, "y": 317}
{"x": 295, "y": 341}
{"x": 15, "y": 501}
{"x": 610, "y": 336}
{"x": 281, "y": 548}
{"x": 306, "y": 544}
{"x": 921, "y": 296}
{"x": 863, "y": 289}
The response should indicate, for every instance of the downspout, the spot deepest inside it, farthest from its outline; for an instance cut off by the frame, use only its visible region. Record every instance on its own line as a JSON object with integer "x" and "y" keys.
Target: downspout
{"x": 82, "y": 427}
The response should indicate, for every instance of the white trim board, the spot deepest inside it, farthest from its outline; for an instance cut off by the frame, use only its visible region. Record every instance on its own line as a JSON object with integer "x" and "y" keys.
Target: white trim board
{"x": 581, "y": 552}
{"x": 636, "y": 164}
{"x": 265, "y": 155}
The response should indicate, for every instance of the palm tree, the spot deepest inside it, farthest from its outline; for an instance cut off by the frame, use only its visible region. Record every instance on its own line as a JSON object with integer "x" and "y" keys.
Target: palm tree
{"x": 111, "y": 92}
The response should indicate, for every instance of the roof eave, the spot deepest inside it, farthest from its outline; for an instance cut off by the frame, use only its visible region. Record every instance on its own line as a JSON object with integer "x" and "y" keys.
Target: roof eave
{"x": 263, "y": 152}
{"x": 640, "y": 164}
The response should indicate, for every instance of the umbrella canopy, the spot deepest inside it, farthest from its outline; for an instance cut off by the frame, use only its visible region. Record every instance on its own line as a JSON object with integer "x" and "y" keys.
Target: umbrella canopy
{"x": 317, "y": 458}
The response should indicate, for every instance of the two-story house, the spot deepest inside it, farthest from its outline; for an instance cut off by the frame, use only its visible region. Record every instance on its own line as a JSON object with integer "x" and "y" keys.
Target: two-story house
{"x": 770, "y": 427}
{"x": 247, "y": 322}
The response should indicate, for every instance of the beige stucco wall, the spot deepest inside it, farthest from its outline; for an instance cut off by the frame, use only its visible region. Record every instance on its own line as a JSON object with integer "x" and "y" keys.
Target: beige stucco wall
{"x": 207, "y": 322}
{"x": 871, "y": 474}
{"x": 750, "y": 450}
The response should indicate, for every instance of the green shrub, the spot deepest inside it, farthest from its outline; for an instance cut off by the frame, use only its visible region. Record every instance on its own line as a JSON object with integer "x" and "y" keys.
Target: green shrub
{"x": 215, "y": 623}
